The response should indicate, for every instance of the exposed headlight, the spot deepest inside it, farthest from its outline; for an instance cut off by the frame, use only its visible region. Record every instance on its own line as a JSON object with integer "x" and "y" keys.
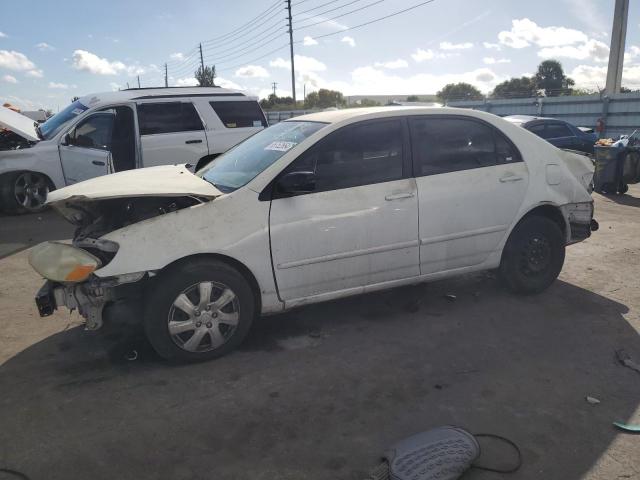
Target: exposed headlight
{"x": 62, "y": 263}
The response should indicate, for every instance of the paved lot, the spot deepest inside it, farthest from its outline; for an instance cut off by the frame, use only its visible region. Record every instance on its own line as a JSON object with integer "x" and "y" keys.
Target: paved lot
{"x": 318, "y": 393}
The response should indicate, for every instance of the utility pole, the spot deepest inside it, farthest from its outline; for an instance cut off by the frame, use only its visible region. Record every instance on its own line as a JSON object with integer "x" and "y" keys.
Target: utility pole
{"x": 616, "y": 52}
{"x": 293, "y": 68}
{"x": 274, "y": 85}
{"x": 201, "y": 58}
{"x": 166, "y": 76}
{"x": 138, "y": 81}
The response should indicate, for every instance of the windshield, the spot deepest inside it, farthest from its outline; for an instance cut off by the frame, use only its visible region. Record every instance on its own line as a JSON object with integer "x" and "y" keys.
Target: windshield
{"x": 52, "y": 126}
{"x": 242, "y": 163}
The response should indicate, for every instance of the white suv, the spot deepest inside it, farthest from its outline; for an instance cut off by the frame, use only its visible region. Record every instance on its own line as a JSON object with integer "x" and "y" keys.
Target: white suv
{"x": 110, "y": 132}
{"x": 315, "y": 208}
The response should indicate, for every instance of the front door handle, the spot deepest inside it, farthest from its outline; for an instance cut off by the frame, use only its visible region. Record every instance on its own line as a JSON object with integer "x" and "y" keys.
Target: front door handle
{"x": 193, "y": 141}
{"x": 510, "y": 178}
{"x": 398, "y": 196}
{"x": 99, "y": 163}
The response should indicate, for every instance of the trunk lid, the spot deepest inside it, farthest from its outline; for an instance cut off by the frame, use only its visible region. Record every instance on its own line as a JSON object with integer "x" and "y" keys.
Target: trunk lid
{"x": 19, "y": 124}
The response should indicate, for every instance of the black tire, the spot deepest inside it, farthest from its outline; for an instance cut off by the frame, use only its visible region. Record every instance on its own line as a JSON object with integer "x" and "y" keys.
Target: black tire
{"x": 9, "y": 195}
{"x": 161, "y": 310}
{"x": 533, "y": 255}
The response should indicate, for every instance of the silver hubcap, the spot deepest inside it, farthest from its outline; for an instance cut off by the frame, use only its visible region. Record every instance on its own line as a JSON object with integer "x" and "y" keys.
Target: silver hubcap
{"x": 30, "y": 190}
{"x": 204, "y": 316}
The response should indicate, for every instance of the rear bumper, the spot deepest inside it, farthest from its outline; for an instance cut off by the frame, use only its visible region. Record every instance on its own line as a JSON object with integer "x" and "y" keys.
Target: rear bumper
{"x": 580, "y": 221}
{"x": 45, "y": 300}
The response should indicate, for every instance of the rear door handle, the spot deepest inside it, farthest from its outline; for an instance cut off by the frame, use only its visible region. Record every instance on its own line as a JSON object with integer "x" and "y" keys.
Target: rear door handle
{"x": 398, "y": 196}
{"x": 510, "y": 178}
{"x": 98, "y": 162}
{"x": 193, "y": 141}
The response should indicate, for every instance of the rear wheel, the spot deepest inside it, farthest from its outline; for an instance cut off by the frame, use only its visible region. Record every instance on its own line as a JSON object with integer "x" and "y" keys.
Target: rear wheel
{"x": 533, "y": 256}
{"x": 23, "y": 192}
{"x": 199, "y": 311}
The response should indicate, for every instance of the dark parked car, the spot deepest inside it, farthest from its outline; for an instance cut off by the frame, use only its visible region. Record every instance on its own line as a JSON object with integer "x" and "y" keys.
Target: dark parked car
{"x": 557, "y": 132}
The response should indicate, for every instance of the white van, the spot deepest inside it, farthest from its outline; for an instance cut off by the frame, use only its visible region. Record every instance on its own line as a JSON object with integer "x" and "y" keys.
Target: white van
{"x": 114, "y": 131}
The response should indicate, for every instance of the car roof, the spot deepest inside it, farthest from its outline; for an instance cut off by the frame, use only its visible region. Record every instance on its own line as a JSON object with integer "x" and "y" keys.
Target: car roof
{"x": 168, "y": 92}
{"x": 344, "y": 115}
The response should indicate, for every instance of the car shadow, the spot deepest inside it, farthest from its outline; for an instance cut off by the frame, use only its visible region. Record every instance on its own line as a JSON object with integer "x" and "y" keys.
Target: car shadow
{"x": 625, "y": 199}
{"x": 321, "y": 391}
{"x": 19, "y": 232}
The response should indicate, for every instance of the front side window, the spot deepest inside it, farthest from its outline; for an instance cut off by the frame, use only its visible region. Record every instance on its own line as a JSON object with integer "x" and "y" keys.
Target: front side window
{"x": 239, "y": 114}
{"x": 168, "y": 117}
{"x": 94, "y": 132}
{"x": 443, "y": 145}
{"x": 557, "y": 130}
{"x": 355, "y": 155}
{"x": 242, "y": 163}
{"x": 53, "y": 125}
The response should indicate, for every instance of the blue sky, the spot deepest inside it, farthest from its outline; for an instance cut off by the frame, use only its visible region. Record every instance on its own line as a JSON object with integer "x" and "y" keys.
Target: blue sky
{"x": 52, "y": 51}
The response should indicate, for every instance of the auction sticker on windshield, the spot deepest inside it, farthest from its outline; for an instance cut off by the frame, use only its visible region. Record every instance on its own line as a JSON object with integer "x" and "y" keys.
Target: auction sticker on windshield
{"x": 280, "y": 146}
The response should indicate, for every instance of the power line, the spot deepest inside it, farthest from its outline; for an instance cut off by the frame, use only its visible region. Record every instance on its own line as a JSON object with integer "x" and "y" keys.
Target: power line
{"x": 245, "y": 25}
{"x": 219, "y": 59}
{"x": 246, "y": 31}
{"x": 240, "y": 46}
{"x": 333, "y": 10}
{"x": 342, "y": 14}
{"x": 227, "y": 69}
{"x": 315, "y": 8}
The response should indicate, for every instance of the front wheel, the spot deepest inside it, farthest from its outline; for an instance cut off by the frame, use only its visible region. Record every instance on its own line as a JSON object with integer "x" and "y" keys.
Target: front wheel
{"x": 23, "y": 192}
{"x": 199, "y": 311}
{"x": 533, "y": 255}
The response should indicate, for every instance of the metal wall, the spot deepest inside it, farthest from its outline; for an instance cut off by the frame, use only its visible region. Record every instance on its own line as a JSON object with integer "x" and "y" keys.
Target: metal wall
{"x": 620, "y": 112}
{"x": 277, "y": 116}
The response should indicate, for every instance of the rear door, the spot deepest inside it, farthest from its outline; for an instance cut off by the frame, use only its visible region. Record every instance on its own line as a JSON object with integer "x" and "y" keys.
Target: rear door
{"x": 171, "y": 132}
{"x": 85, "y": 150}
{"x": 233, "y": 122}
{"x": 471, "y": 182}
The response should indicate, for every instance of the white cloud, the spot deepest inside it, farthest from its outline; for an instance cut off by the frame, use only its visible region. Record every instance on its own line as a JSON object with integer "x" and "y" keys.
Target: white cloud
{"x": 115, "y": 86}
{"x": 393, "y": 64}
{"x": 589, "y": 76}
{"x": 9, "y": 79}
{"x": 44, "y": 47}
{"x": 224, "y": 83}
{"x": 632, "y": 53}
{"x": 303, "y": 64}
{"x": 493, "y": 61}
{"x": 594, "y": 49}
{"x": 90, "y": 62}
{"x": 3, "y": 35}
{"x": 13, "y": 60}
{"x": 36, "y": 73}
{"x": 421, "y": 55}
{"x": 60, "y": 86}
{"x": 455, "y": 46}
{"x": 494, "y": 46}
{"x": 525, "y": 32}
{"x": 308, "y": 41}
{"x": 252, "y": 71}
{"x": 187, "y": 82}
{"x": 176, "y": 56}
{"x": 349, "y": 41}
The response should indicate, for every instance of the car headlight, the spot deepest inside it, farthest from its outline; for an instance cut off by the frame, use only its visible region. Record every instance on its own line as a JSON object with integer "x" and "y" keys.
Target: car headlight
{"x": 62, "y": 263}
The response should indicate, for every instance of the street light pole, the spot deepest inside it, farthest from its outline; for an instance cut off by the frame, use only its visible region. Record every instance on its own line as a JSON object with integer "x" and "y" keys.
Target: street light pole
{"x": 293, "y": 68}
{"x": 616, "y": 52}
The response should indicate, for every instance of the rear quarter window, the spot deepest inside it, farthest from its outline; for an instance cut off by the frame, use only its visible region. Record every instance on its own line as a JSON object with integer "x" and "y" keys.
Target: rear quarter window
{"x": 239, "y": 114}
{"x": 168, "y": 117}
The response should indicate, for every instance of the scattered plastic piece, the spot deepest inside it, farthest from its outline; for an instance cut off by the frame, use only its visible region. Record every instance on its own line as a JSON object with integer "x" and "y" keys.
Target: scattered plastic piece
{"x": 627, "y": 428}
{"x": 592, "y": 400}
{"x": 451, "y": 297}
{"x": 625, "y": 359}
{"x": 132, "y": 355}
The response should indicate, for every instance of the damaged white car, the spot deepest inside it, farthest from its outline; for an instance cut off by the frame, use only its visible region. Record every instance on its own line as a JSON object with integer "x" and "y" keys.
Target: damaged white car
{"x": 315, "y": 208}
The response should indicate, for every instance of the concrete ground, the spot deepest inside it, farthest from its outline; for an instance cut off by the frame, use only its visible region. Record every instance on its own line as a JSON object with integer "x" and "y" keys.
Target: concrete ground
{"x": 318, "y": 393}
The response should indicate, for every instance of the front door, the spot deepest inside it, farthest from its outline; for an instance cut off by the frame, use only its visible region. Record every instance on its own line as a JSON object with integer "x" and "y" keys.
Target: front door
{"x": 171, "y": 132}
{"x": 360, "y": 225}
{"x": 85, "y": 150}
{"x": 471, "y": 183}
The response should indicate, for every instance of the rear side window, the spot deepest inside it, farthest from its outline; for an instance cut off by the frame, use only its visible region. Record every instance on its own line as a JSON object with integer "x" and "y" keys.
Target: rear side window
{"x": 168, "y": 117}
{"x": 443, "y": 145}
{"x": 355, "y": 155}
{"x": 239, "y": 114}
{"x": 537, "y": 129}
{"x": 557, "y": 130}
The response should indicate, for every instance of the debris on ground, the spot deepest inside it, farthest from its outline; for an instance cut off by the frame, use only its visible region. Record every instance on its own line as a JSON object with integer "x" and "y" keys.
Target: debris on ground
{"x": 592, "y": 400}
{"x": 625, "y": 359}
{"x": 132, "y": 355}
{"x": 451, "y": 297}
{"x": 627, "y": 428}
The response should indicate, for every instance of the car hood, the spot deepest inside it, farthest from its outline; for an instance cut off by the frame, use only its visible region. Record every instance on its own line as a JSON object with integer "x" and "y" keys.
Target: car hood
{"x": 19, "y": 124}
{"x": 162, "y": 181}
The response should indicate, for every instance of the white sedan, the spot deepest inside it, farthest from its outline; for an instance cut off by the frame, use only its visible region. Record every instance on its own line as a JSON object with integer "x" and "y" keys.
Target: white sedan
{"x": 315, "y": 208}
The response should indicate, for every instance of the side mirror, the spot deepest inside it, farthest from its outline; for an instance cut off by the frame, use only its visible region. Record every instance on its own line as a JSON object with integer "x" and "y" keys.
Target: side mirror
{"x": 294, "y": 183}
{"x": 66, "y": 140}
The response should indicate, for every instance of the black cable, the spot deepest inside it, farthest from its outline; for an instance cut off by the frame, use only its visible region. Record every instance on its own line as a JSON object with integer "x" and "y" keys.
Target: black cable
{"x": 254, "y": 59}
{"x": 261, "y": 40}
{"x": 245, "y": 25}
{"x": 14, "y": 473}
{"x": 506, "y": 440}
{"x": 246, "y": 31}
{"x": 300, "y": 27}
{"x": 320, "y": 14}
{"x": 315, "y": 8}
